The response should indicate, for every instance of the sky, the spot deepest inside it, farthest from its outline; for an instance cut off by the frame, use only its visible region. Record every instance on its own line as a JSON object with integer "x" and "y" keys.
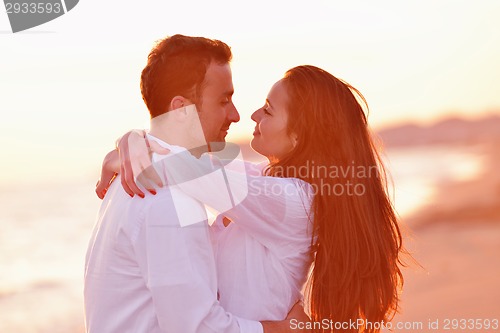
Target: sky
{"x": 70, "y": 88}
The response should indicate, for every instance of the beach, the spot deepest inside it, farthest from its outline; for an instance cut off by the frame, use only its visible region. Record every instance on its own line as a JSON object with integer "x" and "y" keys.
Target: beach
{"x": 455, "y": 237}
{"x": 447, "y": 194}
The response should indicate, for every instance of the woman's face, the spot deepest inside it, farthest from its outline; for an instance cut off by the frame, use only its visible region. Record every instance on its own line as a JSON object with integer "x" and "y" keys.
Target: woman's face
{"x": 270, "y": 137}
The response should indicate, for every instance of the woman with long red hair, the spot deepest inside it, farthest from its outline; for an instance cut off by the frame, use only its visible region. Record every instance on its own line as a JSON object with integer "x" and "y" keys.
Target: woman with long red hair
{"x": 355, "y": 272}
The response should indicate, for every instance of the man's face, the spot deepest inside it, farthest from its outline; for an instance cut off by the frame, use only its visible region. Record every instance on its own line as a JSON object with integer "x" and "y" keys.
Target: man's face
{"x": 217, "y": 110}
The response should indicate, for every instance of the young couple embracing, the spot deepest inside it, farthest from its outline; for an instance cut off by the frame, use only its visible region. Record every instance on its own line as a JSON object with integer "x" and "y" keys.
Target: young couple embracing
{"x": 282, "y": 249}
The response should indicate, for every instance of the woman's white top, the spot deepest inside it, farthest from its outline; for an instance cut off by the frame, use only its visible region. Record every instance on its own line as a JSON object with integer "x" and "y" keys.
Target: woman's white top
{"x": 263, "y": 255}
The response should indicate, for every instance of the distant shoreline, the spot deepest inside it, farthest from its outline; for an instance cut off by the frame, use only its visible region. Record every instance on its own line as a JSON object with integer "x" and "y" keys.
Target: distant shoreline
{"x": 455, "y": 131}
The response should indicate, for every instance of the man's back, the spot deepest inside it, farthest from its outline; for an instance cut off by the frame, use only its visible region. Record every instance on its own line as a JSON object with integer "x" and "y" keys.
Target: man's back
{"x": 137, "y": 257}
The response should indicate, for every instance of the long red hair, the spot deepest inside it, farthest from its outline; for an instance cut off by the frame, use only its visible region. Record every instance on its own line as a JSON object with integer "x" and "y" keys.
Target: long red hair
{"x": 356, "y": 238}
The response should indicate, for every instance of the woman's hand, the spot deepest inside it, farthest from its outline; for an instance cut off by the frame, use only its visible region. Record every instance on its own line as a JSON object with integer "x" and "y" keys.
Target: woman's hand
{"x": 297, "y": 314}
{"x": 135, "y": 162}
{"x": 132, "y": 159}
{"x": 109, "y": 170}
{"x": 299, "y": 317}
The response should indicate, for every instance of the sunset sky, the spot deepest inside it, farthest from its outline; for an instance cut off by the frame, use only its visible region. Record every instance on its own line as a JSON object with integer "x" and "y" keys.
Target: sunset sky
{"x": 70, "y": 87}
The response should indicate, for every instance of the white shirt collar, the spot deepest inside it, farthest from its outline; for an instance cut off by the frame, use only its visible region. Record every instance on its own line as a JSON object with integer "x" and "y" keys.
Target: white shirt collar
{"x": 172, "y": 148}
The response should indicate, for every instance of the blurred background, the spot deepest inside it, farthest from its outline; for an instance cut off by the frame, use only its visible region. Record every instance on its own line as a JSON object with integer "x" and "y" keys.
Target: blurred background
{"x": 428, "y": 69}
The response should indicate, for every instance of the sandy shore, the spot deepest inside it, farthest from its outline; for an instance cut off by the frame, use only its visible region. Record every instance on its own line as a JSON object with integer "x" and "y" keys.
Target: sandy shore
{"x": 456, "y": 238}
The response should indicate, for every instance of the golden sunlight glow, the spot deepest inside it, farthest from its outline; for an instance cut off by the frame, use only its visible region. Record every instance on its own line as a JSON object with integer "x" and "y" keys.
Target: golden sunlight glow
{"x": 79, "y": 87}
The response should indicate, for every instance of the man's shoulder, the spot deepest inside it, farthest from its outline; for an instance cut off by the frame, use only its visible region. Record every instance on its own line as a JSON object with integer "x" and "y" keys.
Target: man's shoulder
{"x": 117, "y": 200}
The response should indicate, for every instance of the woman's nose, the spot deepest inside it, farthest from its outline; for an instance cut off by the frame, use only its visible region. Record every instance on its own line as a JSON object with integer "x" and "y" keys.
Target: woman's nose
{"x": 256, "y": 115}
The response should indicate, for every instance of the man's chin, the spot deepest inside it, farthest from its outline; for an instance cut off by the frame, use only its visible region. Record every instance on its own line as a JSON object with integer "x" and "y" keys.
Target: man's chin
{"x": 217, "y": 145}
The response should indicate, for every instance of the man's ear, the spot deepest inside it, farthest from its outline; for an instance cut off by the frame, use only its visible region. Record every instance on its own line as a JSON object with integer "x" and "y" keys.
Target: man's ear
{"x": 178, "y": 102}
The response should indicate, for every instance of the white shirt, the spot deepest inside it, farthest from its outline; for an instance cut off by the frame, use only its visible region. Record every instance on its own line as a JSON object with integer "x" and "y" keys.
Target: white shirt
{"x": 263, "y": 256}
{"x": 144, "y": 273}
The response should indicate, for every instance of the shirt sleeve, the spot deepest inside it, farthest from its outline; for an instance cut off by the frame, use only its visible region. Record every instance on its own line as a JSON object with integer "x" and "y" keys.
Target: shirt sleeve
{"x": 178, "y": 272}
{"x": 274, "y": 210}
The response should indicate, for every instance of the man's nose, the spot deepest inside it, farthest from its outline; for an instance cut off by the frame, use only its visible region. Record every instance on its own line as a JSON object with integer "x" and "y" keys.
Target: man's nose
{"x": 233, "y": 115}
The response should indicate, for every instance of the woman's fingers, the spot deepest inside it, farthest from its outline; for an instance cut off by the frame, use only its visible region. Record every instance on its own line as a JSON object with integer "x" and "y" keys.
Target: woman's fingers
{"x": 136, "y": 165}
{"x": 146, "y": 183}
{"x": 152, "y": 176}
{"x": 149, "y": 171}
{"x": 104, "y": 183}
{"x": 128, "y": 182}
{"x": 109, "y": 169}
{"x": 126, "y": 166}
{"x": 147, "y": 175}
{"x": 147, "y": 178}
{"x": 133, "y": 153}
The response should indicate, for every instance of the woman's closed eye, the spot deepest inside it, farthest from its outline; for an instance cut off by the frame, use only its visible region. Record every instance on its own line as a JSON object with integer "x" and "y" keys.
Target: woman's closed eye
{"x": 266, "y": 110}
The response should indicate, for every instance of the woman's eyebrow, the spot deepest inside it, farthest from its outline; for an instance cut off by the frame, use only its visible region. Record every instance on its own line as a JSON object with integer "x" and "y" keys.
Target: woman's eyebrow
{"x": 269, "y": 103}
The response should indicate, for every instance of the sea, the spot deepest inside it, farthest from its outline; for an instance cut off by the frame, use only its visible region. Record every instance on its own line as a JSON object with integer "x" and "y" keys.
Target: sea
{"x": 45, "y": 228}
